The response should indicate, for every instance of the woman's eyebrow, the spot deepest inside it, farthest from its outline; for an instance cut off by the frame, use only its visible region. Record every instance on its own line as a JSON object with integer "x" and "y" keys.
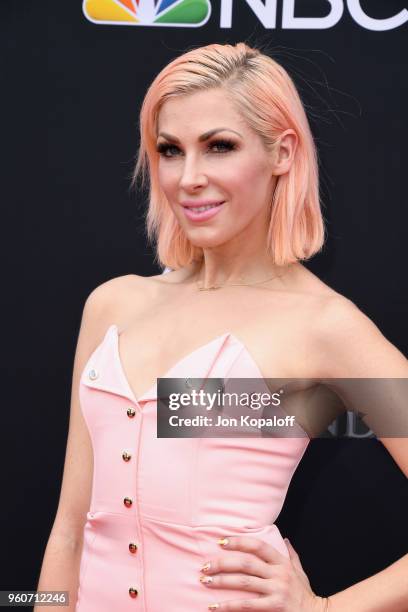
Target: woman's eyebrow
{"x": 203, "y": 137}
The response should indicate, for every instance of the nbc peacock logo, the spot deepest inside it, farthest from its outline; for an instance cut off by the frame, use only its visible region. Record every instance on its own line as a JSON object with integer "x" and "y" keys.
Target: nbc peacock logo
{"x": 182, "y": 13}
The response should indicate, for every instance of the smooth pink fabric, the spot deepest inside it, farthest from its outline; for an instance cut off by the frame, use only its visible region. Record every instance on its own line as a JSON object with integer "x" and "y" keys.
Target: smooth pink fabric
{"x": 186, "y": 493}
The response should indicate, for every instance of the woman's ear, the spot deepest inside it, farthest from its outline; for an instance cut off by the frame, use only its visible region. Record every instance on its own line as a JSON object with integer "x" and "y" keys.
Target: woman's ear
{"x": 285, "y": 152}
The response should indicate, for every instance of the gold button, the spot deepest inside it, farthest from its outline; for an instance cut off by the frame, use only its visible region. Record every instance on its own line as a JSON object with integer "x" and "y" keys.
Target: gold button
{"x": 93, "y": 374}
{"x": 128, "y": 502}
{"x": 126, "y": 456}
{"x": 131, "y": 412}
{"x": 132, "y": 547}
{"x": 133, "y": 592}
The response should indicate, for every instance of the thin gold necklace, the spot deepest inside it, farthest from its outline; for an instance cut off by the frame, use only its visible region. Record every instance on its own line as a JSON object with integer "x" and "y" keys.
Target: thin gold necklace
{"x": 235, "y": 284}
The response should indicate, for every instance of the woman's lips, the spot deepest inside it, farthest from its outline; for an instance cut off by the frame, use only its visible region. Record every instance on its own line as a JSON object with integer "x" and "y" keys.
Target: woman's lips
{"x": 193, "y": 215}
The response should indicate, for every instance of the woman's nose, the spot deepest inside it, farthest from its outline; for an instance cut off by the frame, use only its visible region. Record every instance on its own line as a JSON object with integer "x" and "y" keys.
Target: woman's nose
{"x": 192, "y": 175}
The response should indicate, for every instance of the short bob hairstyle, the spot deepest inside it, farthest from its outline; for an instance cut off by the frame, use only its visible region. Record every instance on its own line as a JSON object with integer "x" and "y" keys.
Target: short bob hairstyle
{"x": 266, "y": 97}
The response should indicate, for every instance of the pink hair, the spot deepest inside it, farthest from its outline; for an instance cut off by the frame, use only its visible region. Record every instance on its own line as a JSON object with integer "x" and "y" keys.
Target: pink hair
{"x": 266, "y": 97}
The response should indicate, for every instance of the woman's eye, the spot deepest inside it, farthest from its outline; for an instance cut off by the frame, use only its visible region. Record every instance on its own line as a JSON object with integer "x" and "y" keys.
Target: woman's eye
{"x": 163, "y": 148}
{"x": 227, "y": 144}
{"x": 223, "y": 146}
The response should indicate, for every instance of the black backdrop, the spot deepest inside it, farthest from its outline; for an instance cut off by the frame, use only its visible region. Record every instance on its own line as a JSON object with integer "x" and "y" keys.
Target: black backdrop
{"x": 71, "y": 94}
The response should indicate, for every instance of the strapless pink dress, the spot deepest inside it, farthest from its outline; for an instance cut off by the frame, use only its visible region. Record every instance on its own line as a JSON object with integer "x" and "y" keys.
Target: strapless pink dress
{"x": 159, "y": 504}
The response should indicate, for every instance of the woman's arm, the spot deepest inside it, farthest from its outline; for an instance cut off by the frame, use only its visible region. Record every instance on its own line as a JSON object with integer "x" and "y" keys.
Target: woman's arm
{"x": 351, "y": 347}
{"x": 386, "y": 591}
{"x": 61, "y": 562}
{"x": 60, "y": 568}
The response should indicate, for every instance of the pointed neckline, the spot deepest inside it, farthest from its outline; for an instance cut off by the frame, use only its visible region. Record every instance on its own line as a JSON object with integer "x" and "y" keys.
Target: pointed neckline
{"x": 148, "y": 392}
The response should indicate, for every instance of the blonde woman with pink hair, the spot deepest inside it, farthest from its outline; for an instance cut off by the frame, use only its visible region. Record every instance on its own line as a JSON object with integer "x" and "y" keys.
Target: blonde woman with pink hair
{"x": 152, "y": 524}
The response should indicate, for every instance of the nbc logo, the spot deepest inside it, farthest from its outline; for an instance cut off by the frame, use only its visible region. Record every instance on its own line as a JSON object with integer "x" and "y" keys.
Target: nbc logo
{"x": 195, "y": 13}
{"x": 184, "y": 13}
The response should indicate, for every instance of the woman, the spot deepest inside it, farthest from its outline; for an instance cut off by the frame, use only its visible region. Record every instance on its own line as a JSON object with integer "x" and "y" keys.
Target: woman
{"x": 234, "y": 209}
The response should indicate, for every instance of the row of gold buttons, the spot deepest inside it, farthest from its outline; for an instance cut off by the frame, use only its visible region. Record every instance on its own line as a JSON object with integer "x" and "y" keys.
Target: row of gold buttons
{"x": 93, "y": 375}
{"x": 128, "y": 502}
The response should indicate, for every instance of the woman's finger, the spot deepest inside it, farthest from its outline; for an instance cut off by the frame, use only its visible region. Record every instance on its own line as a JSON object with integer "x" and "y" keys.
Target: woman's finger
{"x": 264, "y": 604}
{"x": 266, "y": 552}
{"x": 243, "y": 582}
{"x": 240, "y": 563}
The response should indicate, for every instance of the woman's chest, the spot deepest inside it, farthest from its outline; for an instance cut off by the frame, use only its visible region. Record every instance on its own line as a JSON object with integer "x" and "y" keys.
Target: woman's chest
{"x": 277, "y": 334}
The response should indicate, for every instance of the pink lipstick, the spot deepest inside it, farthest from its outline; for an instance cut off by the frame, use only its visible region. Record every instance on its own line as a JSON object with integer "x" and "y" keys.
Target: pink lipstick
{"x": 193, "y": 214}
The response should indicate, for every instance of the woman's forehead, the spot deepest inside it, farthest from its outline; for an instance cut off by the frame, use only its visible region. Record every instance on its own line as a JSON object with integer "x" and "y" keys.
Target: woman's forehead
{"x": 192, "y": 116}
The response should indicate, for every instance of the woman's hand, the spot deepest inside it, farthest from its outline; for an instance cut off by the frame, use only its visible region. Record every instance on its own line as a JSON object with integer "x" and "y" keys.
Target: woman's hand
{"x": 281, "y": 583}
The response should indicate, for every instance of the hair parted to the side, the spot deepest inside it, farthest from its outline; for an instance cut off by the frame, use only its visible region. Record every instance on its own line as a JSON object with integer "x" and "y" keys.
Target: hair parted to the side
{"x": 266, "y": 97}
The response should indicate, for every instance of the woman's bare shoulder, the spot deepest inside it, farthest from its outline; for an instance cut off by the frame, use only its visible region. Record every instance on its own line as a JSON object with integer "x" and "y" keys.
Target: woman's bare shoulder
{"x": 121, "y": 299}
{"x": 306, "y": 296}
{"x": 112, "y": 302}
{"x": 350, "y": 343}
{"x": 126, "y": 283}
{"x": 342, "y": 340}
{"x": 334, "y": 312}
{"x": 107, "y": 294}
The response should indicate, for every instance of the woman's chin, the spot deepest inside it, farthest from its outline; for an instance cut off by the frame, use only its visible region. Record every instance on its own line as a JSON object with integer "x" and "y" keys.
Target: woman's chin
{"x": 204, "y": 242}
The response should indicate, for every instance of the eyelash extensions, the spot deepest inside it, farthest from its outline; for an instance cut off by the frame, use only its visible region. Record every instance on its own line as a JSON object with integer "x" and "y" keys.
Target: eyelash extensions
{"x": 162, "y": 147}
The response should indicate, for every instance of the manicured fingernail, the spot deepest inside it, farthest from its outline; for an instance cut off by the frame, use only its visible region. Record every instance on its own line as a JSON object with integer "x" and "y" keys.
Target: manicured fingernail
{"x": 223, "y": 541}
{"x": 206, "y": 579}
{"x": 206, "y": 567}
{"x": 213, "y": 606}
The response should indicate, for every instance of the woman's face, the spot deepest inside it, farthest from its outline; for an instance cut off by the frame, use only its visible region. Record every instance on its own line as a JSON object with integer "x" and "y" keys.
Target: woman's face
{"x": 229, "y": 166}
